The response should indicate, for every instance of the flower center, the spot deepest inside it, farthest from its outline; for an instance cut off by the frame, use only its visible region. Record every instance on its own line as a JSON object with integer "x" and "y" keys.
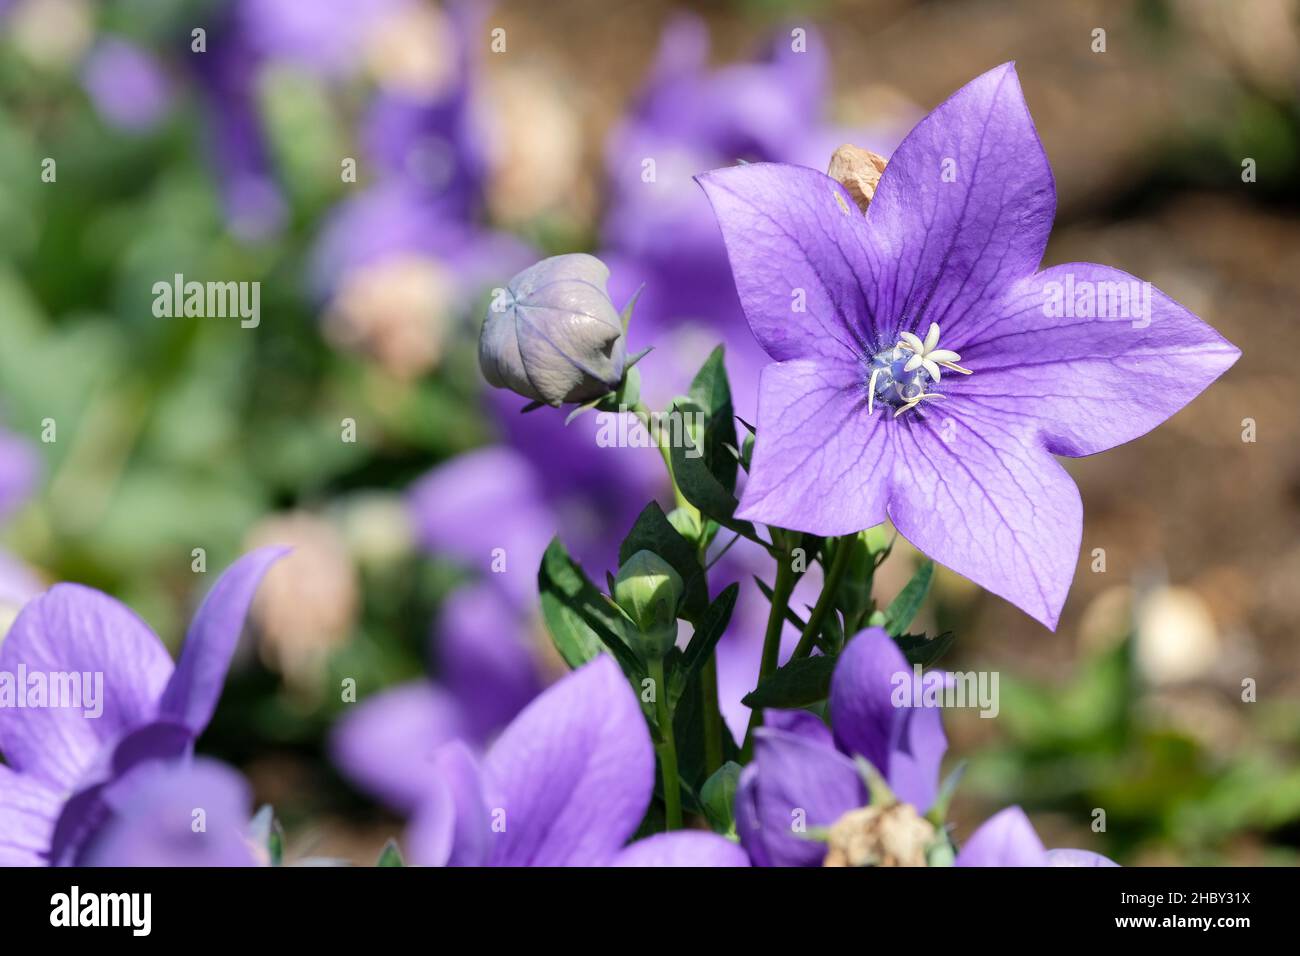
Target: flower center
{"x": 894, "y": 835}
{"x": 903, "y": 374}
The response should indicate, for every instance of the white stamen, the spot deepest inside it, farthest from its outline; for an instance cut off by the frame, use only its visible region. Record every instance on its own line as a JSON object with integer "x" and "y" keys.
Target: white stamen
{"x": 871, "y": 391}
{"x": 927, "y": 354}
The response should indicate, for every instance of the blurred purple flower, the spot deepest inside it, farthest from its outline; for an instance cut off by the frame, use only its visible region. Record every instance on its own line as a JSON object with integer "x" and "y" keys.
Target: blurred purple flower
{"x": 154, "y": 815}
{"x": 687, "y": 120}
{"x": 566, "y": 784}
{"x": 226, "y": 75}
{"x": 325, "y": 35}
{"x": 1008, "y": 839}
{"x": 19, "y": 471}
{"x": 487, "y": 672}
{"x": 55, "y": 788}
{"x": 947, "y": 251}
{"x": 127, "y": 84}
{"x": 799, "y": 763}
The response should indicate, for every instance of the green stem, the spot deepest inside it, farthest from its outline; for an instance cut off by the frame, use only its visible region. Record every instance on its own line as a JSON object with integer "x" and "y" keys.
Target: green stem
{"x": 712, "y": 716}
{"x": 643, "y": 414}
{"x": 666, "y": 748}
{"x": 782, "y": 588}
{"x": 826, "y": 600}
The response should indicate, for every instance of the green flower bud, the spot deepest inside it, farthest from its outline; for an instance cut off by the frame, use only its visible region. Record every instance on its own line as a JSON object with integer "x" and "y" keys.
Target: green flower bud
{"x": 648, "y": 590}
{"x": 553, "y": 335}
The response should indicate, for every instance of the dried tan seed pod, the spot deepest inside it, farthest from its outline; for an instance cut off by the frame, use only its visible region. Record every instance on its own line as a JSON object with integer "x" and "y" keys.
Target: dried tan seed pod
{"x": 858, "y": 170}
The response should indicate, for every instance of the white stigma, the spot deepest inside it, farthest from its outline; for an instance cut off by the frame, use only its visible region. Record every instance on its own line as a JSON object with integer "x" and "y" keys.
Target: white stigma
{"x": 898, "y": 374}
{"x": 927, "y": 354}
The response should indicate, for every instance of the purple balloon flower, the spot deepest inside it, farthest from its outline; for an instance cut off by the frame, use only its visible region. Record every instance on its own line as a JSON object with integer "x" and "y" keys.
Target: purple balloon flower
{"x": 801, "y": 765}
{"x": 566, "y": 784}
{"x": 62, "y": 761}
{"x": 1008, "y": 839}
{"x": 866, "y": 413}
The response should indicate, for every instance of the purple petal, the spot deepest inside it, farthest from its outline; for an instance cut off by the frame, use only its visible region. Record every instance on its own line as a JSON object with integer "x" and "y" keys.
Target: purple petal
{"x": 693, "y": 848}
{"x": 74, "y": 630}
{"x": 1005, "y": 839}
{"x": 1073, "y": 377}
{"x": 452, "y": 827}
{"x": 819, "y": 458}
{"x": 156, "y": 812}
{"x": 748, "y": 827}
{"x": 1067, "y": 857}
{"x": 976, "y": 492}
{"x": 485, "y": 659}
{"x": 388, "y": 744}
{"x": 800, "y": 258}
{"x": 195, "y": 687}
{"x": 28, "y": 811}
{"x": 801, "y": 723}
{"x": 964, "y": 208}
{"x": 19, "y": 469}
{"x": 127, "y": 84}
{"x": 573, "y": 773}
{"x": 18, "y": 583}
{"x": 799, "y": 784}
{"x": 906, "y": 745}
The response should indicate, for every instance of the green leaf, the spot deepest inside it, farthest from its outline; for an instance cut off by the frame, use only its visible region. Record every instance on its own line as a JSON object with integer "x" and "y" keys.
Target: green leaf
{"x": 581, "y": 621}
{"x": 654, "y": 532}
{"x": 707, "y": 634}
{"x": 390, "y": 855}
{"x": 903, "y": 608}
{"x": 923, "y": 650}
{"x": 711, "y": 393}
{"x": 799, "y": 683}
{"x": 718, "y": 798}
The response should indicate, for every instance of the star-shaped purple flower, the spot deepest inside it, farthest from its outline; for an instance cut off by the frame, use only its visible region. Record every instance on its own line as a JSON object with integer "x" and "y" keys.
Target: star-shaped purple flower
{"x": 925, "y": 371}
{"x": 566, "y": 784}
{"x": 63, "y": 762}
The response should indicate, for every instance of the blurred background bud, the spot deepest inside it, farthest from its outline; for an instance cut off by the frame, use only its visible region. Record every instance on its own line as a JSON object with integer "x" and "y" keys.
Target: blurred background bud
{"x": 395, "y": 312}
{"x": 1177, "y": 640}
{"x": 553, "y": 335}
{"x": 307, "y": 605}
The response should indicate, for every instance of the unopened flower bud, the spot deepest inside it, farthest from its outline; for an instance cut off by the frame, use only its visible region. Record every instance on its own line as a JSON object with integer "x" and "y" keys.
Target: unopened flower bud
{"x": 553, "y": 335}
{"x": 858, "y": 170}
{"x": 648, "y": 590}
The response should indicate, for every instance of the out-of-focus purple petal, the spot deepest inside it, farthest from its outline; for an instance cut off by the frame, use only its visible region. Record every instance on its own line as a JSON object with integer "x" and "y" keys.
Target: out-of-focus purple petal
{"x": 74, "y": 633}
{"x": 573, "y": 774}
{"x": 1066, "y": 857}
{"x": 482, "y": 645}
{"x": 1005, "y": 839}
{"x": 127, "y": 85}
{"x": 963, "y": 210}
{"x": 800, "y": 784}
{"x": 325, "y": 35}
{"x": 195, "y": 687}
{"x": 457, "y": 509}
{"x": 28, "y": 811}
{"x": 452, "y": 826}
{"x": 812, "y": 423}
{"x": 176, "y": 814}
{"x": 388, "y": 743}
{"x": 800, "y": 723}
{"x": 1089, "y": 362}
{"x": 984, "y": 498}
{"x": 683, "y": 849}
{"x": 748, "y": 826}
{"x": 19, "y": 470}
